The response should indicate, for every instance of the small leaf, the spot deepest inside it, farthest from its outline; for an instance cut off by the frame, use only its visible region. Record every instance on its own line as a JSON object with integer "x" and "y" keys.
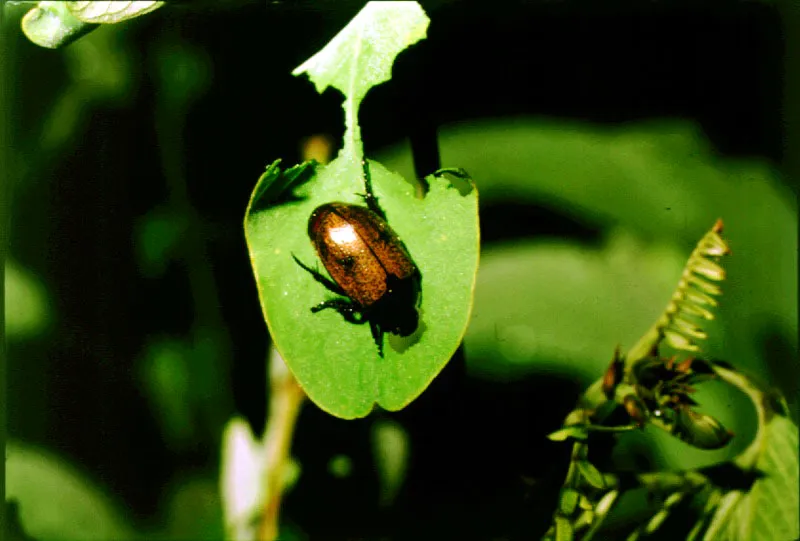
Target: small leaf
{"x": 689, "y": 329}
{"x": 709, "y": 269}
{"x": 590, "y": 473}
{"x": 52, "y": 25}
{"x": 564, "y": 530}
{"x": 576, "y": 432}
{"x": 361, "y": 55}
{"x": 568, "y": 501}
{"x": 679, "y": 341}
{"x": 111, "y": 12}
{"x": 705, "y": 285}
{"x": 697, "y": 297}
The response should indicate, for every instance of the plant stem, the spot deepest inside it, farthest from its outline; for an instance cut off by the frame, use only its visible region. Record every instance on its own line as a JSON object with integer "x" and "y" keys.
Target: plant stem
{"x": 285, "y": 399}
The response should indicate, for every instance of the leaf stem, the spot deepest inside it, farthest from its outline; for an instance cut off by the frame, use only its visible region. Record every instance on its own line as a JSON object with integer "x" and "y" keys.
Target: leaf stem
{"x": 352, "y": 132}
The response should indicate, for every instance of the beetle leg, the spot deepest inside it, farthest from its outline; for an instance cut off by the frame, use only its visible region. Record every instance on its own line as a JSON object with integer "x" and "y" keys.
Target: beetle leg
{"x": 369, "y": 197}
{"x": 321, "y": 278}
{"x": 346, "y": 308}
{"x": 377, "y": 335}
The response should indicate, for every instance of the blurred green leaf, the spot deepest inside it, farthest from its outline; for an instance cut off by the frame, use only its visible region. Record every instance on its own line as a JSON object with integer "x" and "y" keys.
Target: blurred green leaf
{"x": 340, "y": 466}
{"x": 184, "y": 74}
{"x": 591, "y": 474}
{"x": 391, "y": 449}
{"x": 158, "y": 240}
{"x": 111, "y": 11}
{"x": 769, "y": 511}
{"x": 52, "y": 25}
{"x": 578, "y": 432}
{"x": 194, "y": 510}
{"x": 563, "y": 307}
{"x": 58, "y": 502}
{"x": 564, "y": 530}
{"x": 568, "y": 501}
{"x": 101, "y": 71}
{"x": 167, "y": 382}
{"x": 26, "y": 304}
{"x": 661, "y": 182}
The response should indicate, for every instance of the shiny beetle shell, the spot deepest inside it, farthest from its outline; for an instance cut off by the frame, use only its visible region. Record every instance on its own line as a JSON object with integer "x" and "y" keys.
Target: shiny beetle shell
{"x": 363, "y": 255}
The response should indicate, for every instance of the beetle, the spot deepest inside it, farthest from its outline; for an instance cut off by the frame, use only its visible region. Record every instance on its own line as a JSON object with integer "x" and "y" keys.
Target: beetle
{"x": 371, "y": 269}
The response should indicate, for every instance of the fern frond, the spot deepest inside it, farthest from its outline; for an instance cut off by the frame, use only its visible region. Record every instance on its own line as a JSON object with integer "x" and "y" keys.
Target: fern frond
{"x": 693, "y": 299}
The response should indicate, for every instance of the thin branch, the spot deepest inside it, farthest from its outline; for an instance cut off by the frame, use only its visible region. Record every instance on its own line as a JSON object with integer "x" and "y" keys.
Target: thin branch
{"x": 285, "y": 399}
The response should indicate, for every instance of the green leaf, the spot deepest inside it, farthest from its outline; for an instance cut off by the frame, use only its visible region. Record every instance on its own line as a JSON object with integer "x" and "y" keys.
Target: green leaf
{"x": 165, "y": 373}
{"x": 568, "y": 501}
{"x": 682, "y": 320}
{"x": 336, "y": 362}
{"x": 52, "y": 25}
{"x": 564, "y": 530}
{"x": 769, "y": 511}
{"x": 561, "y": 307}
{"x": 26, "y": 303}
{"x": 159, "y": 236}
{"x": 58, "y": 502}
{"x": 391, "y": 450}
{"x": 577, "y": 432}
{"x": 193, "y": 510}
{"x": 361, "y": 55}
{"x": 590, "y": 473}
{"x": 111, "y": 12}
{"x": 660, "y": 180}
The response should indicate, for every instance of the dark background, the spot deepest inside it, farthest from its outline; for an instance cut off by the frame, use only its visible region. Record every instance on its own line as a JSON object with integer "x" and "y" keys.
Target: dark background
{"x": 75, "y": 390}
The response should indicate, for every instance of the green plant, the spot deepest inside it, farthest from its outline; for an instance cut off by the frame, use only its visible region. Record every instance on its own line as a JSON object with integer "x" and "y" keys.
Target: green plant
{"x": 335, "y": 362}
{"x": 657, "y": 391}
